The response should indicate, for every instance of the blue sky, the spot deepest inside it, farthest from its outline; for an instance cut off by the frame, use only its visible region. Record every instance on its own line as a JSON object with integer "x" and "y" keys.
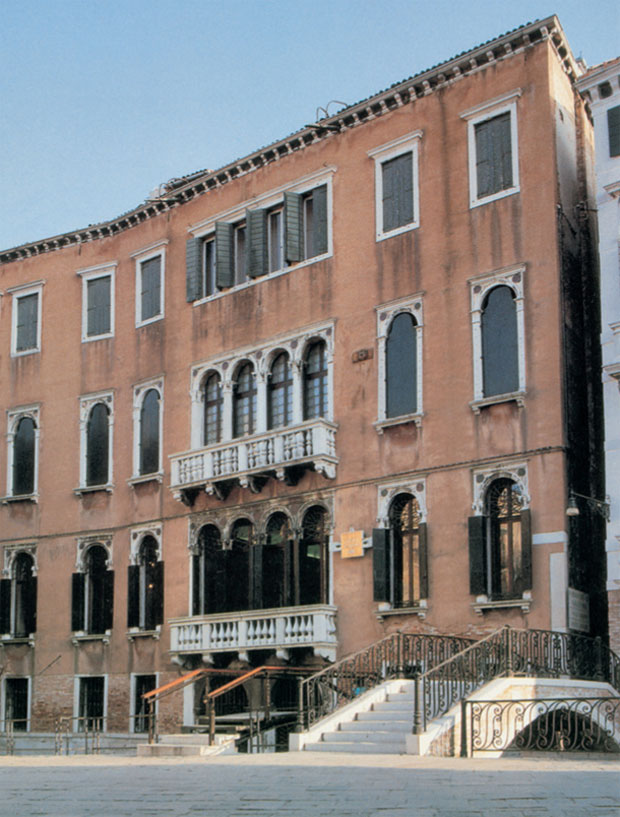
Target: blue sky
{"x": 102, "y": 100}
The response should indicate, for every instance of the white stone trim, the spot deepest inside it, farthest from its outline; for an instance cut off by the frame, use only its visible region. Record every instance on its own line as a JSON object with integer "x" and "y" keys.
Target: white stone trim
{"x": 19, "y": 293}
{"x": 141, "y": 257}
{"x": 13, "y": 418}
{"x": 87, "y": 403}
{"x": 507, "y": 103}
{"x": 480, "y": 286}
{"x": 91, "y": 274}
{"x": 388, "y": 491}
{"x": 83, "y": 543}
{"x": 76, "y": 699}
{"x": 139, "y": 393}
{"x": 12, "y": 551}
{"x": 413, "y": 305}
{"x": 136, "y": 538}
{"x": 409, "y": 143}
{"x": 556, "y": 537}
{"x": 483, "y": 477}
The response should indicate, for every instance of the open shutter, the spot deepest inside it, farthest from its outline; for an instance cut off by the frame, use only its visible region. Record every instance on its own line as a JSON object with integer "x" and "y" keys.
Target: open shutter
{"x": 193, "y": 269}
{"x": 613, "y": 127}
{"x": 30, "y": 606}
{"x": 5, "y": 606}
{"x": 319, "y": 209}
{"x": 381, "y": 564}
{"x": 158, "y": 594}
{"x": 108, "y": 599}
{"x": 196, "y": 599}
{"x": 423, "y": 560}
{"x": 293, "y": 227}
{"x": 483, "y": 159}
{"x": 526, "y": 550}
{"x": 133, "y": 596}
{"x": 77, "y": 601}
{"x": 477, "y": 572}
{"x": 224, "y": 256}
{"x": 256, "y": 235}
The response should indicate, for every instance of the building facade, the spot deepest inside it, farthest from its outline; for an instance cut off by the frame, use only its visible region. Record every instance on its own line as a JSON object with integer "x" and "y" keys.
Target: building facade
{"x": 337, "y": 388}
{"x": 601, "y": 88}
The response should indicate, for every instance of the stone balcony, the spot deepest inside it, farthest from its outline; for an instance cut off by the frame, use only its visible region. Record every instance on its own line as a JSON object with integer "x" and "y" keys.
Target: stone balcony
{"x": 283, "y": 453}
{"x": 278, "y": 629}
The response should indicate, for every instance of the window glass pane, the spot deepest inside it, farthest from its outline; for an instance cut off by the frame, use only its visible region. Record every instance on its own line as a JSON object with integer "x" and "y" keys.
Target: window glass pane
{"x": 500, "y": 349}
{"x": 312, "y": 557}
{"x": 315, "y": 382}
{"x": 16, "y": 704}
{"x": 401, "y": 366}
{"x": 280, "y": 393}
{"x": 241, "y": 273}
{"x": 97, "y": 453}
{"x": 151, "y": 288}
{"x": 504, "y": 504}
{"x": 244, "y": 401}
{"x": 274, "y": 237}
{"x": 308, "y": 215}
{"x": 24, "y": 457}
{"x": 213, "y": 410}
{"x": 149, "y": 433}
{"x": 209, "y": 261}
{"x": 27, "y": 322}
{"x": 98, "y": 306}
{"x": 24, "y": 603}
{"x": 405, "y": 561}
{"x": 95, "y": 589}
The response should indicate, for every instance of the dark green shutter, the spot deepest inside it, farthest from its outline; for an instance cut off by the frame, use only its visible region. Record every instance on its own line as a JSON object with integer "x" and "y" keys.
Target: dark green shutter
{"x": 77, "y": 601}
{"x": 293, "y": 228}
{"x": 477, "y": 560}
{"x": 613, "y": 127}
{"x": 256, "y": 240}
{"x": 133, "y": 596}
{"x": 108, "y": 599}
{"x": 256, "y": 576}
{"x": 493, "y": 155}
{"x": 397, "y": 189}
{"x": 319, "y": 208}
{"x": 193, "y": 269}
{"x": 30, "y": 605}
{"x": 27, "y": 322}
{"x": 158, "y": 594}
{"x": 381, "y": 564}
{"x": 423, "y": 559}
{"x": 526, "y": 550}
{"x": 224, "y": 256}
{"x": 5, "y": 606}
{"x": 196, "y": 600}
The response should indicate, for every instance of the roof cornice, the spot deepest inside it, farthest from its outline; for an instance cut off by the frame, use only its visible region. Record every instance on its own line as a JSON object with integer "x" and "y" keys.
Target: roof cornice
{"x": 181, "y": 191}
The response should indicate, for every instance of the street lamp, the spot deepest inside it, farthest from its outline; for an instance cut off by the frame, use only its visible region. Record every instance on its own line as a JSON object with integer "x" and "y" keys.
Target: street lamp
{"x": 599, "y": 505}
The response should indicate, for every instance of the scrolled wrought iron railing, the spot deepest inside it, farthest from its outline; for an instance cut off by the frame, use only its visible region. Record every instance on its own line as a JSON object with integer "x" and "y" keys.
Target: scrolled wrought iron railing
{"x": 399, "y": 655}
{"x": 542, "y": 724}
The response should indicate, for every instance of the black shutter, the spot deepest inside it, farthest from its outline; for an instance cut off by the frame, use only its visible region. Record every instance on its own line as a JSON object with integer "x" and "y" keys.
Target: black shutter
{"x": 423, "y": 559}
{"x": 224, "y": 256}
{"x": 293, "y": 227}
{"x": 193, "y": 269}
{"x": 319, "y": 210}
{"x": 526, "y": 550}
{"x": 30, "y": 605}
{"x": 108, "y": 599}
{"x": 5, "y": 606}
{"x": 133, "y": 596}
{"x": 483, "y": 159}
{"x": 381, "y": 564}
{"x": 158, "y": 594}
{"x": 503, "y": 136}
{"x": 477, "y": 560}
{"x": 196, "y": 600}
{"x": 77, "y": 601}
{"x": 256, "y": 577}
{"x": 256, "y": 239}
{"x": 613, "y": 127}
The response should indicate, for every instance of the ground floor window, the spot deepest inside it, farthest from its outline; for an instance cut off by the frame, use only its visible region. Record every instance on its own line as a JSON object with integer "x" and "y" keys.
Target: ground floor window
{"x": 91, "y": 704}
{"x": 16, "y": 704}
{"x": 142, "y": 708}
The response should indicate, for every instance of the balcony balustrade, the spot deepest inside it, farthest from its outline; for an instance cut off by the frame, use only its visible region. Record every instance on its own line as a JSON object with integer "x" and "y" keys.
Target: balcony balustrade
{"x": 279, "y": 452}
{"x": 279, "y": 629}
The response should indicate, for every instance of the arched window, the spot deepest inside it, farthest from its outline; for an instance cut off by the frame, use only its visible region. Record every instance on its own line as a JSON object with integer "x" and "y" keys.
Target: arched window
{"x": 208, "y": 573}
{"x": 244, "y": 401}
{"x": 315, "y": 381}
{"x": 401, "y": 366}
{"x": 213, "y": 402}
{"x": 280, "y": 407}
{"x": 18, "y": 599}
{"x": 97, "y": 445}
{"x": 149, "y": 433}
{"x": 238, "y": 566}
{"x": 405, "y": 527}
{"x": 277, "y": 563}
{"x": 505, "y": 575}
{"x": 313, "y": 564}
{"x": 500, "y": 348}
{"x": 93, "y": 593}
{"x": 24, "y": 457}
{"x": 145, "y": 594}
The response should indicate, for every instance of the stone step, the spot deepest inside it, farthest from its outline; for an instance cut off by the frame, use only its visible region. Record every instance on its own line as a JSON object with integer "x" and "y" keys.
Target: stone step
{"x": 394, "y": 727}
{"x": 384, "y": 715}
{"x": 373, "y": 736}
{"x": 176, "y": 750}
{"x": 364, "y": 747}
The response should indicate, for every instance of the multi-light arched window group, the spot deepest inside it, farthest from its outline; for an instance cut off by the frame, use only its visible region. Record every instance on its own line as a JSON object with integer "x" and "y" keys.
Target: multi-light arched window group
{"x": 261, "y": 569}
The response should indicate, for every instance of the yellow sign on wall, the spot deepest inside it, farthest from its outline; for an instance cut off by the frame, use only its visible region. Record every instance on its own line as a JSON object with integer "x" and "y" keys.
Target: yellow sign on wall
{"x": 352, "y": 544}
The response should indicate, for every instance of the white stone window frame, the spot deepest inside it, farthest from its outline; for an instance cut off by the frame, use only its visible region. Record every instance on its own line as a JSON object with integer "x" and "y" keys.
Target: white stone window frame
{"x": 140, "y": 257}
{"x": 4, "y": 679}
{"x": 479, "y": 287}
{"x": 13, "y": 418}
{"x": 270, "y": 200}
{"x": 483, "y": 477}
{"x": 388, "y": 491}
{"x": 11, "y": 552}
{"x": 137, "y": 536}
{"x": 87, "y": 403}
{"x": 91, "y": 274}
{"x": 19, "y": 292}
{"x": 76, "y": 698}
{"x": 132, "y": 700}
{"x": 412, "y": 305}
{"x": 409, "y": 143}
{"x": 139, "y": 393}
{"x": 84, "y": 543}
{"x": 261, "y": 356}
{"x": 507, "y": 103}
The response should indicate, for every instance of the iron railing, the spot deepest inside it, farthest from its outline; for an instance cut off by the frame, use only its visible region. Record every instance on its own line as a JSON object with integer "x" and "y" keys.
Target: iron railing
{"x": 399, "y": 655}
{"x": 11, "y": 726}
{"x": 88, "y": 727}
{"x": 543, "y": 724}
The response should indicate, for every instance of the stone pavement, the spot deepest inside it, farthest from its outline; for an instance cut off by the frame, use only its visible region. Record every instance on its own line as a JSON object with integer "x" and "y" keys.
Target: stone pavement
{"x": 310, "y": 785}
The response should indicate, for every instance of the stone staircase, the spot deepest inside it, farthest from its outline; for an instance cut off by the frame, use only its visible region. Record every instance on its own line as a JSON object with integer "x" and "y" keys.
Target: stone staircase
{"x": 186, "y": 745}
{"x": 382, "y": 729}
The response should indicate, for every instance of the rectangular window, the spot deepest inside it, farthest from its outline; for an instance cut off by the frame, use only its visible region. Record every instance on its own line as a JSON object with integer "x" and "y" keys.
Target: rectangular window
{"x": 613, "y": 128}
{"x": 150, "y": 289}
{"x": 26, "y": 335}
{"x": 142, "y": 708}
{"x": 209, "y": 286}
{"x": 98, "y": 306}
{"x": 16, "y": 704}
{"x": 396, "y": 185}
{"x": 275, "y": 235}
{"x": 91, "y": 708}
{"x": 239, "y": 253}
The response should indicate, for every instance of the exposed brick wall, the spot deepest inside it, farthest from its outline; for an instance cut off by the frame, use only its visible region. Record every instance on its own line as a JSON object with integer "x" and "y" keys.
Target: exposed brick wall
{"x": 52, "y": 698}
